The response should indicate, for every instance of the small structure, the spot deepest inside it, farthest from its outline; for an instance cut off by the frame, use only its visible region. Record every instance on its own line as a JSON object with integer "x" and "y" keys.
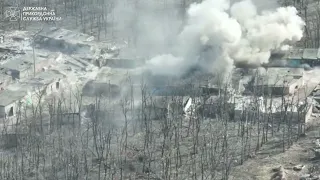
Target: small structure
{"x": 278, "y": 87}
{"x": 63, "y": 40}
{"x": 161, "y": 107}
{"x": 23, "y": 67}
{"x": 95, "y": 89}
{"x": 29, "y": 91}
{"x": 9, "y": 102}
{"x": 120, "y": 62}
{"x": 244, "y": 105}
{"x": 297, "y": 57}
{"x": 211, "y": 90}
{"x": 311, "y": 57}
{"x": 183, "y": 90}
{"x": 5, "y": 80}
{"x": 48, "y": 82}
{"x": 316, "y": 98}
{"x": 276, "y": 108}
{"x": 294, "y": 57}
{"x": 215, "y": 106}
{"x": 310, "y": 54}
{"x": 279, "y": 81}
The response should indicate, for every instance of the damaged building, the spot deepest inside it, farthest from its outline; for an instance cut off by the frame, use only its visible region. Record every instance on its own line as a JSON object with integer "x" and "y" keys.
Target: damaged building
{"x": 28, "y": 91}
{"x": 23, "y": 67}
{"x": 10, "y": 101}
{"x": 298, "y": 57}
{"x": 63, "y": 40}
{"x": 48, "y": 82}
{"x": 278, "y": 81}
{"x": 5, "y": 80}
{"x": 162, "y": 107}
{"x": 276, "y": 108}
{"x": 81, "y": 46}
{"x": 216, "y": 106}
{"x": 96, "y": 89}
{"x": 244, "y": 107}
{"x": 120, "y": 62}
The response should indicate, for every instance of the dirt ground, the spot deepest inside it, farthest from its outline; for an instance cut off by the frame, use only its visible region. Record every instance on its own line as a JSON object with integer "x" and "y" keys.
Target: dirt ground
{"x": 261, "y": 166}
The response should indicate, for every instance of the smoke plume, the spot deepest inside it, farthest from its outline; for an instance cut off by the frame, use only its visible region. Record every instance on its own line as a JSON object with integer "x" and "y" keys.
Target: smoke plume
{"x": 217, "y": 35}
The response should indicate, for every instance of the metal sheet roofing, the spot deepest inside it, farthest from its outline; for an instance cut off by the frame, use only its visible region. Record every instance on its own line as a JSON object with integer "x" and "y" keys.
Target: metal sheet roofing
{"x": 8, "y": 97}
{"x": 310, "y": 53}
{"x": 295, "y": 54}
{"x": 282, "y": 71}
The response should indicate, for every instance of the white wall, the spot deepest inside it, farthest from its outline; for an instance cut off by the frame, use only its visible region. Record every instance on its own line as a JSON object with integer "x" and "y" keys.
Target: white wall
{"x": 5, "y": 110}
{"x": 292, "y": 86}
{"x": 308, "y": 115}
{"x": 2, "y": 111}
{"x": 51, "y": 88}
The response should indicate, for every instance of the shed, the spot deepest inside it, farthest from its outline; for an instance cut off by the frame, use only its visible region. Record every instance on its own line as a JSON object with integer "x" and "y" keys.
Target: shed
{"x": 63, "y": 40}
{"x": 44, "y": 83}
{"x": 318, "y": 54}
{"x": 22, "y": 67}
{"x": 121, "y": 62}
{"x": 294, "y": 57}
{"x": 277, "y": 85}
{"x": 50, "y": 81}
{"x": 9, "y": 102}
{"x": 283, "y": 71}
{"x": 95, "y": 89}
{"x": 310, "y": 56}
{"x": 309, "y": 53}
{"x": 214, "y": 106}
{"x": 5, "y": 80}
{"x": 161, "y": 107}
{"x": 295, "y": 54}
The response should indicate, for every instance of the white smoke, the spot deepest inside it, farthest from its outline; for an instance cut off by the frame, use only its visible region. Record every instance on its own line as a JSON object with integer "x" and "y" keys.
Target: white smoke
{"x": 167, "y": 64}
{"x": 234, "y": 33}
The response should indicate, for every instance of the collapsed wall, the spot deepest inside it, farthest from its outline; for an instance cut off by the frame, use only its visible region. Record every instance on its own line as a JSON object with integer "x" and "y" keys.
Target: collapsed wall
{"x": 62, "y": 45}
{"x": 96, "y": 89}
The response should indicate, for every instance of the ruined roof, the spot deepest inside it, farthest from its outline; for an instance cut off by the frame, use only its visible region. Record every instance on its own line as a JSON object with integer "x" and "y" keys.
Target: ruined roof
{"x": 306, "y": 54}
{"x": 8, "y": 97}
{"x": 66, "y": 41}
{"x": 264, "y": 104}
{"x": 277, "y": 77}
{"x": 295, "y": 54}
{"x": 310, "y": 53}
{"x": 19, "y": 64}
{"x": 111, "y": 75}
{"x": 213, "y": 100}
{"x": 248, "y": 103}
{"x": 33, "y": 84}
{"x": 44, "y": 78}
{"x": 282, "y": 71}
{"x": 96, "y": 89}
{"x": 4, "y": 76}
{"x": 164, "y": 101}
{"x": 275, "y": 81}
{"x": 67, "y": 35}
{"x": 24, "y": 62}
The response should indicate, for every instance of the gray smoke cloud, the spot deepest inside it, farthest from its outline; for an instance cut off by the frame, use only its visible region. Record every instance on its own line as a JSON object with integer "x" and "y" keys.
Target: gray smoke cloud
{"x": 148, "y": 25}
{"x": 230, "y": 33}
